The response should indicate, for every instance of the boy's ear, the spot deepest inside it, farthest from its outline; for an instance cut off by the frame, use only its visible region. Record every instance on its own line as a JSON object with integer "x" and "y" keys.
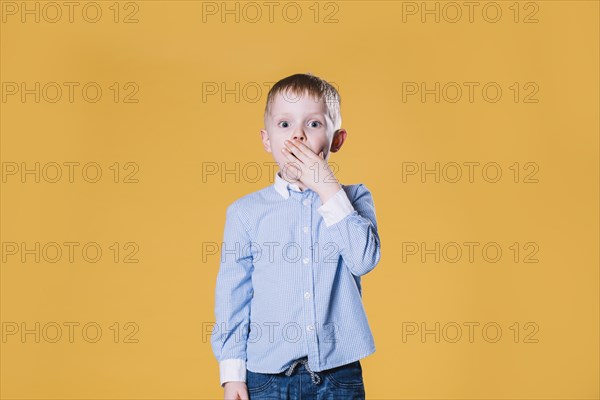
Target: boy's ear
{"x": 265, "y": 139}
{"x": 339, "y": 137}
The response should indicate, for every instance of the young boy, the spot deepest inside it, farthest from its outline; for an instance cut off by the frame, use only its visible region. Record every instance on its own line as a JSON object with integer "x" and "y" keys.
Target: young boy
{"x": 290, "y": 322}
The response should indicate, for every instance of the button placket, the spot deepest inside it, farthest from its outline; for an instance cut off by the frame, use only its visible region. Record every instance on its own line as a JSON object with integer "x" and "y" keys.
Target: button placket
{"x": 307, "y": 260}
{"x": 307, "y": 203}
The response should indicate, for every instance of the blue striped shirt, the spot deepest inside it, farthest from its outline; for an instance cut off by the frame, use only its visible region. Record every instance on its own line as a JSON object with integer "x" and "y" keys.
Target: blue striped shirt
{"x": 289, "y": 282}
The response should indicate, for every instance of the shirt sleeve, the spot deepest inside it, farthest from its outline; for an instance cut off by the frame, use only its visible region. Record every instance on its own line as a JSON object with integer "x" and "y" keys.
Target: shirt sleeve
{"x": 233, "y": 294}
{"x": 354, "y": 231}
{"x": 336, "y": 208}
{"x": 233, "y": 369}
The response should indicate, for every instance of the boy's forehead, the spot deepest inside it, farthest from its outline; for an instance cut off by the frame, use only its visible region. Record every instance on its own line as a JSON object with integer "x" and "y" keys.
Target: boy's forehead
{"x": 286, "y": 102}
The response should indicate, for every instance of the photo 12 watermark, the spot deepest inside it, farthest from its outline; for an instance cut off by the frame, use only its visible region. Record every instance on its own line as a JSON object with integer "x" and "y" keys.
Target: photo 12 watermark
{"x": 470, "y": 92}
{"x": 272, "y": 253}
{"x": 469, "y": 332}
{"x": 252, "y": 12}
{"x": 69, "y": 332}
{"x": 452, "y": 12}
{"x": 471, "y": 252}
{"x": 69, "y": 92}
{"x": 271, "y": 332}
{"x": 72, "y": 172}
{"x": 71, "y": 252}
{"x": 252, "y": 172}
{"x": 250, "y": 92}
{"x": 71, "y": 12}
{"x": 469, "y": 172}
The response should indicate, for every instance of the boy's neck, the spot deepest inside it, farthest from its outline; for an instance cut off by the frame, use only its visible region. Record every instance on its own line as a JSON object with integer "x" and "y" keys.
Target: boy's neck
{"x": 300, "y": 185}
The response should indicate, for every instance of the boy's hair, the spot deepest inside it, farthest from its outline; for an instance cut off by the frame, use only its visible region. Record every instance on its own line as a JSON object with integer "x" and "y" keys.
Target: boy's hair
{"x": 296, "y": 85}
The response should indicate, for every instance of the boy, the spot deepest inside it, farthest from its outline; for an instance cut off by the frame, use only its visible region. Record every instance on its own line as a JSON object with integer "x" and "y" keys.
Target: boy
{"x": 290, "y": 322}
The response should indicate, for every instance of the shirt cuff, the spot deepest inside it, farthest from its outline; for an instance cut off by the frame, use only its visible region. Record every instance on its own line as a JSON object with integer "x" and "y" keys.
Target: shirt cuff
{"x": 336, "y": 208}
{"x": 232, "y": 369}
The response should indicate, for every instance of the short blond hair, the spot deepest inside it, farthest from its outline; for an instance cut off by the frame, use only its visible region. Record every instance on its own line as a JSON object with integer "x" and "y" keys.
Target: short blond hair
{"x": 298, "y": 84}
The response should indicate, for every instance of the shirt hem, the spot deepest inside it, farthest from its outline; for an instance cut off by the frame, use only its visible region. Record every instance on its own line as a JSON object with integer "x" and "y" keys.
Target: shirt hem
{"x": 353, "y": 359}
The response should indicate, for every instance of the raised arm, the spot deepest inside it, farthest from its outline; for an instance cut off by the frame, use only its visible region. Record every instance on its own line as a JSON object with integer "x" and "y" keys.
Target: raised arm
{"x": 353, "y": 227}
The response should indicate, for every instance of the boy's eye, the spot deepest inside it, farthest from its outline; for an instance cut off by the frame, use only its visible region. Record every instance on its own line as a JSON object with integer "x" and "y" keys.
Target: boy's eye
{"x": 315, "y": 122}
{"x": 283, "y": 124}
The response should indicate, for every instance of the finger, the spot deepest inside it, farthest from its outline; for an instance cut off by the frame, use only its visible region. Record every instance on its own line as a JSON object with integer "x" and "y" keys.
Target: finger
{"x": 244, "y": 395}
{"x": 294, "y": 153}
{"x": 290, "y": 155}
{"x": 304, "y": 148}
{"x": 292, "y": 169}
{"x": 291, "y": 161}
{"x": 302, "y": 151}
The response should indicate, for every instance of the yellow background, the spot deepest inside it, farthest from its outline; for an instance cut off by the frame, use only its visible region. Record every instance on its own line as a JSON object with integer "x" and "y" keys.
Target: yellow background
{"x": 171, "y": 133}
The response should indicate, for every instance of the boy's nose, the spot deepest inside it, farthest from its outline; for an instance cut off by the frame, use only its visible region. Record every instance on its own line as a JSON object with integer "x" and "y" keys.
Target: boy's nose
{"x": 299, "y": 135}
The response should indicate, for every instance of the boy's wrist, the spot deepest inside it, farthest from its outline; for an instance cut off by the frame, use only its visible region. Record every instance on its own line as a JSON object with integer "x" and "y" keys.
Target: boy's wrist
{"x": 232, "y": 370}
{"x": 328, "y": 190}
{"x": 225, "y": 383}
{"x": 336, "y": 208}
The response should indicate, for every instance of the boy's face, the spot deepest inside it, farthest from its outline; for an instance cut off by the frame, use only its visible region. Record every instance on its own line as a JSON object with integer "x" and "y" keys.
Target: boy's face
{"x": 303, "y": 118}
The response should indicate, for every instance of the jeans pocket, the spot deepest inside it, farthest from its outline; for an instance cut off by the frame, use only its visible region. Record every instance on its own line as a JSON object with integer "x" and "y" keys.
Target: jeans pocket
{"x": 257, "y": 382}
{"x": 346, "y": 376}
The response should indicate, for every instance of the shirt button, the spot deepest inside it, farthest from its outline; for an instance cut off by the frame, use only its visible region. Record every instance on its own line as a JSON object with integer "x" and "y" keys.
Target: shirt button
{"x": 310, "y": 327}
{"x": 305, "y": 261}
{"x": 306, "y": 295}
{"x": 306, "y": 229}
{"x": 306, "y": 202}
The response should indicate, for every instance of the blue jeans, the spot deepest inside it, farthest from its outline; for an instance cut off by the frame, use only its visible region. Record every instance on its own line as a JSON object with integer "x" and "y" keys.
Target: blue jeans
{"x": 344, "y": 383}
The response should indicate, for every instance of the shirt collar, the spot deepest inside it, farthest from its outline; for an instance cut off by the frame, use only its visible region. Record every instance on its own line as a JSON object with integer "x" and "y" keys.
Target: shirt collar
{"x": 282, "y": 186}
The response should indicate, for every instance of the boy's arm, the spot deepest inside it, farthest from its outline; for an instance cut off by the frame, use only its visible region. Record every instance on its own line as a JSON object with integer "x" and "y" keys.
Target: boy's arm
{"x": 353, "y": 227}
{"x": 233, "y": 294}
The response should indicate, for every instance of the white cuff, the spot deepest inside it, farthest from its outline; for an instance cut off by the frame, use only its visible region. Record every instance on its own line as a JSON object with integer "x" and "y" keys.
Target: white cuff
{"x": 336, "y": 208}
{"x": 232, "y": 369}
